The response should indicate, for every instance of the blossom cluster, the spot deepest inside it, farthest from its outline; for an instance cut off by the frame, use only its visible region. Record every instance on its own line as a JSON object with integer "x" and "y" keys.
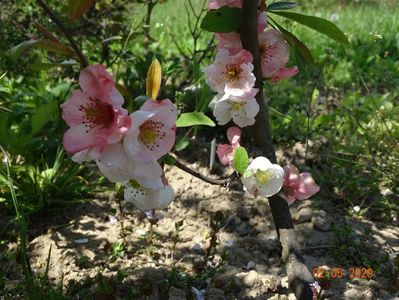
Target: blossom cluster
{"x": 126, "y": 147}
{"x": 231, "y": 77}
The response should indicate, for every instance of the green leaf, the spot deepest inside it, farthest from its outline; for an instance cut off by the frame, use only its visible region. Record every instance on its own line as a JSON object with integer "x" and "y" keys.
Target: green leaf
{"x": 56, "y": 47}
{"x": 41, "y": 66}
{"x": 321, "y": 25}
{"x": 182, "y": 144}
{"x": 16, "y": 51}
{"x": 169, "y": 160}
{"x": 283, "y": 5}
{"x": 42, "y": 115}
{"x": 193, "y": 119}
{"x": 76, "y": 8}
{"x": 297, "y": 45}
{"x": 224, "y": 19}
{"x": 240, "y": 160}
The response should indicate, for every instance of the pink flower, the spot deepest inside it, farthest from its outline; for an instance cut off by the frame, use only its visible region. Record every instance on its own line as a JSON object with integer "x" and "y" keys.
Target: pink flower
{"x": 230, "y": 41}
{"x": 284, "y": 73}
{"x": 153, "y": 131}
{"x": 274, "y": 52}
{"x": 225, "y": 152}
{"x": 231, "y": 75}
{"x": 274, "y": 56}
{"x": 215, "y": 4}
{"x": 262, "y": 21}
{"x": 297, "y": 186}
{"x": 95, "y": 115}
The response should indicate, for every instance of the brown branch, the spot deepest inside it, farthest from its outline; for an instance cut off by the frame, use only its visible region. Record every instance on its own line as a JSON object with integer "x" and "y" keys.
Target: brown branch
{"x": 222, "y": 182}
{"x": 299, "y": 276}
{"x": 83, "y": 60}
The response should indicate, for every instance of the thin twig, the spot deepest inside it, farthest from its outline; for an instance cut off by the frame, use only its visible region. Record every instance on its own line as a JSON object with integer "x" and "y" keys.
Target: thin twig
{"x": 83, "y": 60}
{"x": 222, "y": 182}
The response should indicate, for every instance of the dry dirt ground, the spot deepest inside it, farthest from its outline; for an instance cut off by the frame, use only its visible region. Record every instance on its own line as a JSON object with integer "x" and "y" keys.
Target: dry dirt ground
{"x": 85, "y": 253}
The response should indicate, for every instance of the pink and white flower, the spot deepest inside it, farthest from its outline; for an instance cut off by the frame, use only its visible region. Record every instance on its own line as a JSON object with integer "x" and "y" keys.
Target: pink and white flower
{"x": 297, "y": 186}
{"x": 230, "y": 41}
{"x": 215, "y": 4}
{"x": 284, "y": 73}
{"x": 225, "y": 152}
{"x": 263, "y": 178}
{"x": 242, "y": 110}
{"x": 147, "y": 199}
{"x": 231, "y": 75}
{"x": 95, "y": 115}
{"x": 153, "y": 131}
{"x": 274, "y": 52}
{"x": 117, "y": 166}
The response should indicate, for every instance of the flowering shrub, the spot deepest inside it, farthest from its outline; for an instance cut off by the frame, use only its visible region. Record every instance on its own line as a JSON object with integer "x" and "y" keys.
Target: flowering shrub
{"x": 131, "y": 147}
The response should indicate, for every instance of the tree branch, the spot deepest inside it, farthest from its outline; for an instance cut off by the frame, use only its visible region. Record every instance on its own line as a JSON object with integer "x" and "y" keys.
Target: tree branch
{"x": 299, "y": 276}
{"x": 83, "y": 60}
{"x": 223, "y": 182}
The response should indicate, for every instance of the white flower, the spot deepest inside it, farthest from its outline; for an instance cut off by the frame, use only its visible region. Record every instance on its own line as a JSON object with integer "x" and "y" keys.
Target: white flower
{"x": 147, "y": 199}
{"x": 117, "y": 166}
{"x": 263, "y": 178}
{"x": 242, "y": 110}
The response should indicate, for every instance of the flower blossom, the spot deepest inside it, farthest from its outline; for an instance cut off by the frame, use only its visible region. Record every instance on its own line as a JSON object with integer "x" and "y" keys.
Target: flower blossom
{"x": 231, "y": 75}
{"x": 153, "y": 131}
{"x": 274, "y": 54}
{"x": 225, "y": 152}
{"x": 94, "y": 114}
{"x": 263, "y": 178}
{"x": 242, "y": 110}
{"x": 297, "y": 186}
{"x": 215, "y": 4}
{"x": 117, "y": 166}
{"x": 147, "y": 199}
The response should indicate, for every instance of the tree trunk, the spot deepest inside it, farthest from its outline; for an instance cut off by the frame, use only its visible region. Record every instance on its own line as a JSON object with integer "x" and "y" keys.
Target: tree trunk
{"x": 299, "y": 276}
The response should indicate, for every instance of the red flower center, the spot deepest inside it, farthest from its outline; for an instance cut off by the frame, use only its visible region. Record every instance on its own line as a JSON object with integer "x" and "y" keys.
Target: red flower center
{"x": 97, "y": 113}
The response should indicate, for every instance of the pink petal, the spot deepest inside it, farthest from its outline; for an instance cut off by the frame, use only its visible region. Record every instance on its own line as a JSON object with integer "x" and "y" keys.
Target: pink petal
{"x": 215, "y": 4}
{"x": 234, "y": 136}
{"x": 71, "y": 112}
{"x": 225, "y": 153}
{"x": 307, "y": 187}
{"x": 167, "y": 111}
{"x": 262, "y": 21}
{"x": 291, "y": 176}
{"x": 284, "y": 73}
{"x": 96, "y": 81}
{"x": 79, "y": 138}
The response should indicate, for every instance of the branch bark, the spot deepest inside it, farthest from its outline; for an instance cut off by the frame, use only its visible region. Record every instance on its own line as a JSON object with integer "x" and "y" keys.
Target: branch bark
{"x": 83, "y": 60}
{"x": 222, "y": 182}
{"x": 299, "y": 276}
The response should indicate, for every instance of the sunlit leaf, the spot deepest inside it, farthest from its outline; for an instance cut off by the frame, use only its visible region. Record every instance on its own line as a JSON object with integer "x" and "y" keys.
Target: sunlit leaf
{"x": 42, "y": 66}
{"x": 193, "y": 119}
{"x": 240, "y": 160}
{"x": 321, "y": 25}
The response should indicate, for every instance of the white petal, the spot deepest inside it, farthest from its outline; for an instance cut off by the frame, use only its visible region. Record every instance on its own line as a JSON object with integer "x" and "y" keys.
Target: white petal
{"x": 222, "y": 112}
{"x": 272, "y": 187}
{"x": 260, "y": 163}
{"x": 252, "y": 109}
